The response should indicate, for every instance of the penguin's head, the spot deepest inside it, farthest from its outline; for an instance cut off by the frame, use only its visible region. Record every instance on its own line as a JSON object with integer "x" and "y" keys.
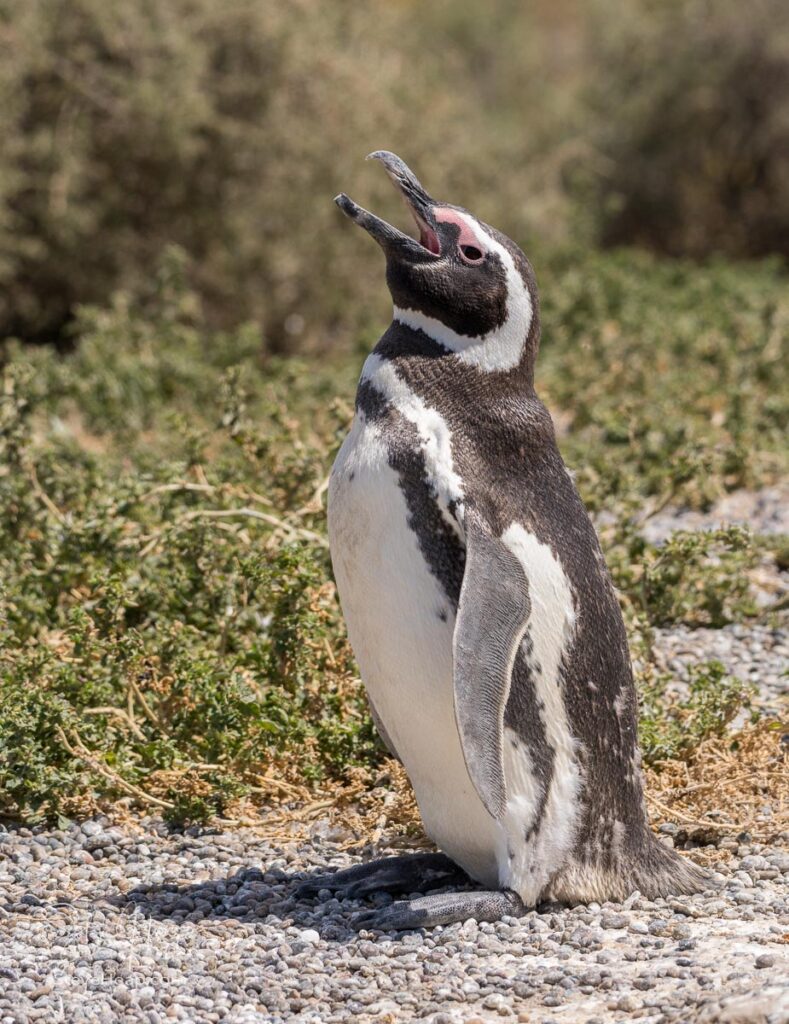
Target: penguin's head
{"x": 464, "y": 283}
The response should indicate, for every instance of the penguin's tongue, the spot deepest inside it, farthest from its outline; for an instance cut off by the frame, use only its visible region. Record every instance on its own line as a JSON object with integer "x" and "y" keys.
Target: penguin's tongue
{"x": 428, "y": 239}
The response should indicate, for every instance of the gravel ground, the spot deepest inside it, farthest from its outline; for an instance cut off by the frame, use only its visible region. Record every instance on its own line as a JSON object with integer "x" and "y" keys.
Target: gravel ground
{"x": 764, "y": 512}
{"x": 131, "y": 923}
{"x": 759, "y": 655}
{"x": 103, "y": 923}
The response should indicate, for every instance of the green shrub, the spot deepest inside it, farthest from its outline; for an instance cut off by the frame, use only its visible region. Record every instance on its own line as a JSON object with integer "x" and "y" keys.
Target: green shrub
{"x": 675, "y": 370}
{"x": 169, "y": 629}
{"x": 227, "y": 129}
{"x": 673, "y": 724}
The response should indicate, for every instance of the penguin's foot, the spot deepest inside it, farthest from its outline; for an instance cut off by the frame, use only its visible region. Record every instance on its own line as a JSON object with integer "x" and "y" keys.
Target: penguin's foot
{"x": 417, "y": 872}
{"x": 442, "y": 908}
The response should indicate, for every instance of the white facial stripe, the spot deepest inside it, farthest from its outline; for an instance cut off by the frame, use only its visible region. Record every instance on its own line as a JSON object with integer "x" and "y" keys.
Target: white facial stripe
{"x": 550, "y": 629}
{"x": 434, "y": 435}
{"x": 499, "y": 349}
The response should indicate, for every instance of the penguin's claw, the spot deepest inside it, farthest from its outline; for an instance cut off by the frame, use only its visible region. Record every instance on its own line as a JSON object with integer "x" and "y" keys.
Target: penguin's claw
{"x": 351, "y": 890}
{"x": 313, "y": 886}
{"x": 397, "y": 917}
{"x": 440, "y": 908}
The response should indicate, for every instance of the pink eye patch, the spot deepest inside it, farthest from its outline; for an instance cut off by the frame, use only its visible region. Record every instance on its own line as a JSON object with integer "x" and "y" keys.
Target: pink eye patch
{"x": 467, "y": 236}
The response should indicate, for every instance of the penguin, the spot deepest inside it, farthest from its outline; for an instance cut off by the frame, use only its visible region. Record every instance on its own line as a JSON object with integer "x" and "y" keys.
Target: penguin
{"x": 477, "y": 600}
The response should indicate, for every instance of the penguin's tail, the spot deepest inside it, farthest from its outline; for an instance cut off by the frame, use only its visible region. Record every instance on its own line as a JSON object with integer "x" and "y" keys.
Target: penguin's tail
{"x": 661, "y": 871}
{"x": 647, "y": 866}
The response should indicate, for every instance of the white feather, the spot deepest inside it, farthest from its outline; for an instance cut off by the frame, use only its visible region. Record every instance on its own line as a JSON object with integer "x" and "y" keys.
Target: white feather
{"x": 401, "y": 627}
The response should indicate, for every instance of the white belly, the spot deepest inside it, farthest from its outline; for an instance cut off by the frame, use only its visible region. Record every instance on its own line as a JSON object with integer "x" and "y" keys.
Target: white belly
{"x": 400, "y": 625}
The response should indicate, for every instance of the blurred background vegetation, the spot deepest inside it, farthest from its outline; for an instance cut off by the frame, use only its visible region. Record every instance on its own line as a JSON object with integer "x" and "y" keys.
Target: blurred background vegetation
{"x": 227, "y": 129}
{"x": 183, "y": 314}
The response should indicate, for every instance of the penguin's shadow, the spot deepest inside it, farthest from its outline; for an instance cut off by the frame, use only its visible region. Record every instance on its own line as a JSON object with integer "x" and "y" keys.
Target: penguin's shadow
{"x": 217, "y": 899}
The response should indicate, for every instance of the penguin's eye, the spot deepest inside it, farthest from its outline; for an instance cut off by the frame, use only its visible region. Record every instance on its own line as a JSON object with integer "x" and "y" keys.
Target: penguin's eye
{"x": 471, "y": 254}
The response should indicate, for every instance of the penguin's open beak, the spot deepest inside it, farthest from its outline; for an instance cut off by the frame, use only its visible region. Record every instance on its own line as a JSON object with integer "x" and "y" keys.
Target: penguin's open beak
{"x": 418, "y": 202}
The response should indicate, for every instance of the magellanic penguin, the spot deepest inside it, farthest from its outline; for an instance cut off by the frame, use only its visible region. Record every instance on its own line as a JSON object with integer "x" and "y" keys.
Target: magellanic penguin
{"x": 477, "y": 600}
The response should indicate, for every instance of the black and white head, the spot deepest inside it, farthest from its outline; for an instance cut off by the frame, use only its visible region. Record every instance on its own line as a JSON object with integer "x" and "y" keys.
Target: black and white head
{"x": 463, "y": 283}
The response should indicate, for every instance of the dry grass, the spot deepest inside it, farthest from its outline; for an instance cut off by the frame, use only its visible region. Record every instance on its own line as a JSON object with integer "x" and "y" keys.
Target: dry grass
{"x": 367, "y": 809}
{"x": 730, "y": 786}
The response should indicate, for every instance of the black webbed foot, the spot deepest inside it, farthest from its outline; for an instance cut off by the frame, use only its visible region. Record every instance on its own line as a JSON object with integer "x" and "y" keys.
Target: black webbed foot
{"x": 442, "y": 908}
{"x": 418, "y": 872}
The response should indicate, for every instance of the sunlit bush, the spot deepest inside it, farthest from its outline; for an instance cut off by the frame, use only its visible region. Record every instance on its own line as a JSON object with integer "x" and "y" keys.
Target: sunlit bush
{"x": 169, "y": 629}
{"x": 228, "y": 129}
{"x": 691, "y": 126}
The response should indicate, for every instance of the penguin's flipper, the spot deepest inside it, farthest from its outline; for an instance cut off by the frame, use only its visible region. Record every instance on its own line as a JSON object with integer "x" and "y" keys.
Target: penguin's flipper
{"x": 492, "y": 616}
